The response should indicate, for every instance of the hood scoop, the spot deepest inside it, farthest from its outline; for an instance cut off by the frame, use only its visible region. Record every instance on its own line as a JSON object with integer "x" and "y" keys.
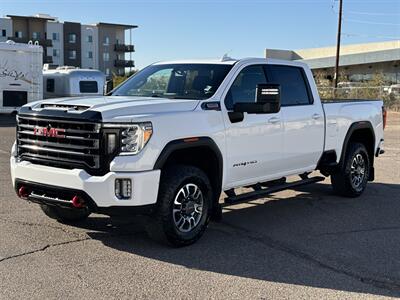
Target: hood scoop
{"x": 64, "y": 107}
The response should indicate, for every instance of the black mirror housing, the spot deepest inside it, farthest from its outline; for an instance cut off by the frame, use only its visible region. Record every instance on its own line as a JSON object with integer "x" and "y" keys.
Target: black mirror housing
{"x": 268, "y": 100}
{"x": 269, "y": 93}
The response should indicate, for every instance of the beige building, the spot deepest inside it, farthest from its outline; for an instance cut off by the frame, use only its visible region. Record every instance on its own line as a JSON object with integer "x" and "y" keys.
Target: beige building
{"x": 358, "y": 62}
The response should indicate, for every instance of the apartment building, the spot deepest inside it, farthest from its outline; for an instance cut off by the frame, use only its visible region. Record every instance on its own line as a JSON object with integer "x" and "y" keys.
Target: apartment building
{"x": 55, "y": 31}
{"x": 90, "y": 47}
{"x": 100, "y": 46}
{"x": 5, "y": 29}
{"x": 31, "y": 28}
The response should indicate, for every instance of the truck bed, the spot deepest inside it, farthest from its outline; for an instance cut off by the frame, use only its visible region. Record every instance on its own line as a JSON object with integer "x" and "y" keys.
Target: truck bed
{"x": 340, "y": 114}
{"x": 329, "y": 101}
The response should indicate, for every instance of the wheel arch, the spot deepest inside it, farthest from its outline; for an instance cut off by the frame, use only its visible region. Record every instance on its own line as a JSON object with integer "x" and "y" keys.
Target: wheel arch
{"x": 362, "y": 132}
{"x": 201, "y": 152}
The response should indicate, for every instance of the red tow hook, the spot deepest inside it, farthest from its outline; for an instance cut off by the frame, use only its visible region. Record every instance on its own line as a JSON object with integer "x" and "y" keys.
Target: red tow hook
{"x": 78, "y": 202}
{"x": 23, "y": 192}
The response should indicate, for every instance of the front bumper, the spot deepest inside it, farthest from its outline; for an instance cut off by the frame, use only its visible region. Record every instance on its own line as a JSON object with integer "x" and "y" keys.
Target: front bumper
{"x": 100, "y": 189}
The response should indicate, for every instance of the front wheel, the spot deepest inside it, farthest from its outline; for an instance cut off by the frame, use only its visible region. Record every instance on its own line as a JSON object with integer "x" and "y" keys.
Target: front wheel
{"x": 352, "y": 179}
{"x": 184, "y": 202}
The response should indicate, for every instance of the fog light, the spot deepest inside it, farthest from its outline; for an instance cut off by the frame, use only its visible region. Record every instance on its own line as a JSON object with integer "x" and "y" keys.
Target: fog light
{"x": 123, "y": 188}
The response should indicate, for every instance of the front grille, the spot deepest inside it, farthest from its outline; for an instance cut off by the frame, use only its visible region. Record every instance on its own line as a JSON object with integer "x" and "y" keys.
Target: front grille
{"x": 59, "y": 143}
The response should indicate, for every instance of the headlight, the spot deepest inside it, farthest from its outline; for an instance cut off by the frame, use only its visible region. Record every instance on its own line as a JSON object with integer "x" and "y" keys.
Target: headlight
{"x": 134, "y": 137}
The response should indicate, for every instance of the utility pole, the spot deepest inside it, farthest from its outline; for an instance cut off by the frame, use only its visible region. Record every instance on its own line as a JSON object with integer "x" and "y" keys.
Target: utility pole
{"x": 339, "y": 35}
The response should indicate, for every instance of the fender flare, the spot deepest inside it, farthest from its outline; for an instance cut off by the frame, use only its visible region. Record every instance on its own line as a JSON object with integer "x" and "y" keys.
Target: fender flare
{"x": 354, "y": 127}
{"x": 193, "y": 142}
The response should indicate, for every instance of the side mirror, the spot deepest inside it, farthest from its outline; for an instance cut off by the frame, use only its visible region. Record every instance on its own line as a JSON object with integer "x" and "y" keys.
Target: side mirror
{"x": 268, "y": 100}
{"x": 108, "y": 87}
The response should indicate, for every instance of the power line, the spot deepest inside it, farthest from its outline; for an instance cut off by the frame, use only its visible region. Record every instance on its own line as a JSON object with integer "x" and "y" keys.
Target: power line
{"x": 370, "y": 22}
{"x": 365, "y": 13}
{"x": 339, "y": 36}
{"x": 371, "y": 36}
{"x": 371, "y": 13}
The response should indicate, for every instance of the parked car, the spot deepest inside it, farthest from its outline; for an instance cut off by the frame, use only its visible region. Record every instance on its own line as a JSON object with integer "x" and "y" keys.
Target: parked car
{"x": 73, "y": 82}
{"x": 20, "y": 75}
{"x": 394, "y": 90}
{"x": 175, "y": 135}
{"x": 350, "y": 85}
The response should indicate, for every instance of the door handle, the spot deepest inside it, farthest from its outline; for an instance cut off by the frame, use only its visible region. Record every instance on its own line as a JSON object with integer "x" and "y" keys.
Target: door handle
{"x": 274, "y": 120}
{"x": 316, "y": 116}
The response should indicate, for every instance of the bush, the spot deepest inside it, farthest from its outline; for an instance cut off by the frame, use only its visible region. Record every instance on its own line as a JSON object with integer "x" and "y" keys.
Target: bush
{"x": 117, "y": 80}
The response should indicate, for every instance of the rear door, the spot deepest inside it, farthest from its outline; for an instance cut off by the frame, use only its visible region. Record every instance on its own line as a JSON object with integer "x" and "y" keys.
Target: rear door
{"x": 303, "y": 119}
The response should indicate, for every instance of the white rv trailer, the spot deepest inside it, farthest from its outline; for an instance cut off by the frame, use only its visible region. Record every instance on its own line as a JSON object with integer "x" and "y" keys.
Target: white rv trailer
{"x": 72, "y": 82}
{"x": 20, "y": 75}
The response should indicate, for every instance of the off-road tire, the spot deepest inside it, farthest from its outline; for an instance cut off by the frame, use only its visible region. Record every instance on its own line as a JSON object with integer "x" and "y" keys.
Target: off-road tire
{"x": 161, "y": 225}
{"x": 342, "y": 179}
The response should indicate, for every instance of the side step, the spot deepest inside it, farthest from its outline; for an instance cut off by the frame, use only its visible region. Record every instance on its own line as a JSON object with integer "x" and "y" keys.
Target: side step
{"x": 263, "y": 192}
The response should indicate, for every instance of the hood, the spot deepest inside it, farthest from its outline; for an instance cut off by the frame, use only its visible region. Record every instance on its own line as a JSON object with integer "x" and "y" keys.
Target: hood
{"x": 118, "y": 108}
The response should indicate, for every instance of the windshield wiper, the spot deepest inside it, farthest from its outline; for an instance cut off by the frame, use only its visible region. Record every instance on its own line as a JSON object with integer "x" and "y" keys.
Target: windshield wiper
{"x": 183, "y": 97}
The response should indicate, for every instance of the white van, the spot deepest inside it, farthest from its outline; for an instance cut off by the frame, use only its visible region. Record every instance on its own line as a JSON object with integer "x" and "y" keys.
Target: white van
{"x": 20, "y": 75}
{"x": 72, "y": 82}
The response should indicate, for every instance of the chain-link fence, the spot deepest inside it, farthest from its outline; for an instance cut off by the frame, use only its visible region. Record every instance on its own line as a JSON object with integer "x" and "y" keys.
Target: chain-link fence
{"x": 390, "y": 98}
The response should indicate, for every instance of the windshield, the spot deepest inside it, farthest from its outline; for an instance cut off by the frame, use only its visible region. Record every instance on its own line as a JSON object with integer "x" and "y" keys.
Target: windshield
{"x": 175, "y": 81}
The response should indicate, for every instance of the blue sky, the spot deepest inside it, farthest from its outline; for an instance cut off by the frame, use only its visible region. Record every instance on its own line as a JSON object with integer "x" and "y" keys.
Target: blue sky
{"x": 204, "y": 28}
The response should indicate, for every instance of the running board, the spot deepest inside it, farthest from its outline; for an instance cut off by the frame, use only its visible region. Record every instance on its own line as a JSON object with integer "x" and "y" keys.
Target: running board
{"x": 263, "y": 192}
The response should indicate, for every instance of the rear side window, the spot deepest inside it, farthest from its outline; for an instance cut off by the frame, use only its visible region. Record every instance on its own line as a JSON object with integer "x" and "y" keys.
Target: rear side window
{"x": 88, "y": 87}
{"x": 244, "y": 87}
{"x": 50, "y": 85}
{"x": 294, "y": 87}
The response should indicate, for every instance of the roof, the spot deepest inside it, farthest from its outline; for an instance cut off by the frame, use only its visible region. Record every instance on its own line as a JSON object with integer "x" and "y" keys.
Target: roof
{"x": 117, "y": 25}
{"x": 33, "y": 17}
{"x": 250, "y": 60}
{"x": 355, "y": 59}
{"x": 198, "y": 61}
{"x": 12, "y": 46}
{"x": 355, "y": 54}
{"x": 313, "y": 53}
{"x": 74, "y": 71}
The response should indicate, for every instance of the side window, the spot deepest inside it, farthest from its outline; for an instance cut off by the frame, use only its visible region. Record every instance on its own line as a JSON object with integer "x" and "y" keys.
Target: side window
{"x": 50, "y": 85}
{"x": 88, "y": 87}
{"x": 294, "y": 88}
{"x": 244, "y": 87}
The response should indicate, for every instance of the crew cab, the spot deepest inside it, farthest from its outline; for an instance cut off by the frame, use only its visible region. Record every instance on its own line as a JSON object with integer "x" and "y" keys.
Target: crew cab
{"x": 169, "y": 140}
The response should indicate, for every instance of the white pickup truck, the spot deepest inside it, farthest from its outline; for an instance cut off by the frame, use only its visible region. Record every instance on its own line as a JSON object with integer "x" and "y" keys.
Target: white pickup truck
{"x": 172, "y": 138}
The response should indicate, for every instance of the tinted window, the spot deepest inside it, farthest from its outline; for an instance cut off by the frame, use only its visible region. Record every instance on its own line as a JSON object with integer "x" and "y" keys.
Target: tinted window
{"x": 175, "y": 81}
{"x": 50, "y": 85}
{"x": 88, "y": 86}
{"x": 294, "y": 89}
{"x": 244, "y": 87}
{"x": 14, "y": 98}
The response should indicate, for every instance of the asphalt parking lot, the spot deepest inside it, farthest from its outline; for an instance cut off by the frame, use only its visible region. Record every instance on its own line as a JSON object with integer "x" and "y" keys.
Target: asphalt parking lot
{"x": 303, "y": 243}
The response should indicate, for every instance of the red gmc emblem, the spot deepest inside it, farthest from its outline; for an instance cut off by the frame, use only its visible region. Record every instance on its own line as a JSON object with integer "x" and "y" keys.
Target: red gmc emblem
{"x": 49, "y": 132}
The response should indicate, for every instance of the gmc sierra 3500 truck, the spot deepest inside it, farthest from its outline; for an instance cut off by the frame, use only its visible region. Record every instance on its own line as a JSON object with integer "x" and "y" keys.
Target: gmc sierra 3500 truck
{"x": 169, "y": 140}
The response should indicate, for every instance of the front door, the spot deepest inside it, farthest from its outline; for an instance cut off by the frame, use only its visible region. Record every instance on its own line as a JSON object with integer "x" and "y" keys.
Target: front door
{"x": 254, "y": 144}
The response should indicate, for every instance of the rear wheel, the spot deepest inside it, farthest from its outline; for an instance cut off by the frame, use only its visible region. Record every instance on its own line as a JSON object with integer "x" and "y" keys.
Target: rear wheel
{"x": 352, "y": 179}
{"x": 183, "y": 210}
{"x": 65, "y": 215}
